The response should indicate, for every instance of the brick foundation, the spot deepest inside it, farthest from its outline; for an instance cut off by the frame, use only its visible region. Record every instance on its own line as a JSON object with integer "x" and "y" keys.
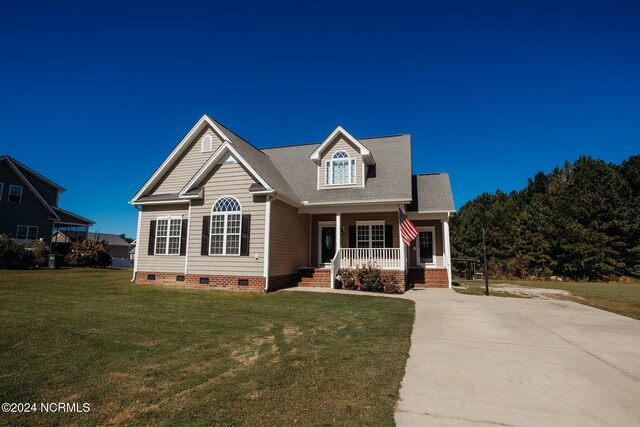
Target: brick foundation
{"x": 193, "y": 281}
{"x": 428, "y": 278}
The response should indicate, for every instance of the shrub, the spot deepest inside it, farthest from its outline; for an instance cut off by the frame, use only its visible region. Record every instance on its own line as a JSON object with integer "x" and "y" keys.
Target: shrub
{"x": 368, "y": 278}
{"x": 15, "y": 255}
{"x": 38, "y": 251}
{"x": 88, "y": 253}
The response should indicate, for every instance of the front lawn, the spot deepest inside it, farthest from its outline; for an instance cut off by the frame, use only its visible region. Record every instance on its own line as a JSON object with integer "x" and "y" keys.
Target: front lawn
{"x": 145, "y": 354}
{"x": 620, "y": 298}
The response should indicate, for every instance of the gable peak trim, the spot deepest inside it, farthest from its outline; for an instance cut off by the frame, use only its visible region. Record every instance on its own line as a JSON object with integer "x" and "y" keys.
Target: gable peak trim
{"x": 225, "y": 148}
{"x": 178, "y": 150}
{"x": 339, "y": 130}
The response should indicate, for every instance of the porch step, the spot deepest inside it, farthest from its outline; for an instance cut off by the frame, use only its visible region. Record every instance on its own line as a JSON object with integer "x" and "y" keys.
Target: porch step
{"x": 312, "y": 277}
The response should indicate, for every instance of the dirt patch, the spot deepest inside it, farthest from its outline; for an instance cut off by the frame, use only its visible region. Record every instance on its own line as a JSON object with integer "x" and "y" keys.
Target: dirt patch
{"x": 542, "y": 293}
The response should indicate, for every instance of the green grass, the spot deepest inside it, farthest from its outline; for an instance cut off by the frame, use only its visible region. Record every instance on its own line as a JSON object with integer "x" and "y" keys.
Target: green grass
{"x": 620, "y": 298}
{"x": 157, "y": 355}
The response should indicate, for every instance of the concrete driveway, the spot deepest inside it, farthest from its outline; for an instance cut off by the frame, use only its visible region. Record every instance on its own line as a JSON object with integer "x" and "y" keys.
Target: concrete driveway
{"x": 478, "y": 360}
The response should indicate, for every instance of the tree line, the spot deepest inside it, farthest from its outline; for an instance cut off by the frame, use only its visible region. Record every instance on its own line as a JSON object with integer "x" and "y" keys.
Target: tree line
{"x": 581, "y": 221}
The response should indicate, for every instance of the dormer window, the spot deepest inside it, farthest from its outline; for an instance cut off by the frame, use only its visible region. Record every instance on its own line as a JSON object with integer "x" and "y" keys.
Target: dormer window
{"x": 340, "y": 169}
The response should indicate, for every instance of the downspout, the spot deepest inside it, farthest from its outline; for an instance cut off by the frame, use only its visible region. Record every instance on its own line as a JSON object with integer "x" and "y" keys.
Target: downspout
{"x": 186, "y": 251}
{"x": 135, "y": 259}
{"x": 447, "y": 240}
{"x": 267, "y": 232}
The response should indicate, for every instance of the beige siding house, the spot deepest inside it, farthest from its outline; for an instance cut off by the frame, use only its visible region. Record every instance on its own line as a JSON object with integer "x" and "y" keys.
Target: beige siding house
{"x": 221, "y": 213}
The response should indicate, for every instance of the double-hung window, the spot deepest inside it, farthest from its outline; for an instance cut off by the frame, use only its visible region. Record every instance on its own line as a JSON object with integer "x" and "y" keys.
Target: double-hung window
{"x": 15, "y": 194}
{"x": 168, "y": 231}
{"x": 340, "y": 169}
{"x": 370, "y": 234}
{"x": 226, "y": 224}
{"x": 29, "y": 232}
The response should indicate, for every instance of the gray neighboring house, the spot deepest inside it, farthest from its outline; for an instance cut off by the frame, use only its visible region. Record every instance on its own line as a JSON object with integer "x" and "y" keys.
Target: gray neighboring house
{"x": 118, "y": 248}
{"x": 220, "y": 212}
{"x": 29, "y": 205}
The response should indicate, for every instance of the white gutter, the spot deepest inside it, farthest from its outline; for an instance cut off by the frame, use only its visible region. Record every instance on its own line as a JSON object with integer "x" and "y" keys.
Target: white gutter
{"x": 354, "y": 202}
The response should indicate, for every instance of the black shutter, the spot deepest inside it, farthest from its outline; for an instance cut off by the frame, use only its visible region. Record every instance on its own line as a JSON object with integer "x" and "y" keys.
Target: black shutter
{"x": 246, "y": 234}
{"x": 352, "y": 236}
{"x": 183, "y": 237}
{"x": 388, "y": 236}
{"x": 204, "y": 249}
{"x": 152, "y": 237}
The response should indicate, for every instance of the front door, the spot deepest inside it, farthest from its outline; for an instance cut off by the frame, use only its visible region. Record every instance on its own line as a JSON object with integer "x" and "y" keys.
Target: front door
{"x": 328, "y": 244}
{"x": 426, "y": 247}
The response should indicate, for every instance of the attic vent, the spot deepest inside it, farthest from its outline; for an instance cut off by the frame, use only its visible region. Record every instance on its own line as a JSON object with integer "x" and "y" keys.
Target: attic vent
{"x": 207, "y": 144}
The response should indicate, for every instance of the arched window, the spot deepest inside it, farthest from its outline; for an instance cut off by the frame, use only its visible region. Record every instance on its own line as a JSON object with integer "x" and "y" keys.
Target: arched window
{"x": 226, "y": 224}
{"x": 207, "y": 143}
{"x": 340, "y": 169}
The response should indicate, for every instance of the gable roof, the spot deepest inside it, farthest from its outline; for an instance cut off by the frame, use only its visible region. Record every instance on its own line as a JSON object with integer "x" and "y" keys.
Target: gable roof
{"x": 389, "y": 179}
{"x": 71, "y": 218}
{"x": 57, "y": 214}
{"x": 256, "y": 161}
{"x": 177, "y": 151}
{"x": 364, "y": 151}
{"x": 291, "y": 172}
{"x": 35, "y": 192}
{"x": 28, "y": 170}
{"x": 110, "y": 239}
{"x": 431, "y": 193}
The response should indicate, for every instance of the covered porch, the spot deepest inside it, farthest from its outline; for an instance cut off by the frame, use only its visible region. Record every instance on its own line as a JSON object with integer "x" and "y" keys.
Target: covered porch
{"x": 353, "y": 239}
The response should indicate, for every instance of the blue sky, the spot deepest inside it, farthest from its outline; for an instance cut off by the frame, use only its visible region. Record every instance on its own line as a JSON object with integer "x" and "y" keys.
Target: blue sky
{"x": 95, "y": 95}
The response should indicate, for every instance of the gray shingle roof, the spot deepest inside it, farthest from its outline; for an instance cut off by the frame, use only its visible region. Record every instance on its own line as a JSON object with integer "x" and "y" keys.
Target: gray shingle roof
{"x": 392, "y": 178}
{"x": 432, "y": 193}
{"x": 111, "y": 239}
{"x": 160, "y": 197}
{"x": 70, "y": 217}
{"x": 260, "y": 162}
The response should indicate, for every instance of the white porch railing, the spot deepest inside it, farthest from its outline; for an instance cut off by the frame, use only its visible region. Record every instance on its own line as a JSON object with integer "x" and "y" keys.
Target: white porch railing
{"x": 384, "y": 258}
{"x": 335, "y": 268}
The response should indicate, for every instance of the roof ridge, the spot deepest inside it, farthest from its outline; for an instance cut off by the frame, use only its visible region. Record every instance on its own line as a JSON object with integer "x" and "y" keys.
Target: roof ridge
{"x": 31, "y": 171}
{"x": 316, "y": 143}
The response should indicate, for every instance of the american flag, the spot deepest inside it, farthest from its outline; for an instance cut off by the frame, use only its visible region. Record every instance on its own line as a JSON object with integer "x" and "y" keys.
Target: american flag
{"x": 409, "y": 231}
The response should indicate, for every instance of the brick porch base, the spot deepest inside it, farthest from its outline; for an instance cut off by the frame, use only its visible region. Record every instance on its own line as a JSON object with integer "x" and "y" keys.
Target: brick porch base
{"x": 428, "y": 278}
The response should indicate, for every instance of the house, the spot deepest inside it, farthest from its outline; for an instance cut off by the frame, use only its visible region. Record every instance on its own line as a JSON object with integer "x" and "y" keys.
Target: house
{"x": 29, "y": 205}
{"x": 220, "y": 212}
{"x": 118, "y": 248}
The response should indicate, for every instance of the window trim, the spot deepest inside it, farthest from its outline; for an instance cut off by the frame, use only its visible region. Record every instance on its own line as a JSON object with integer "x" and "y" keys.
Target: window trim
{"x": 432, "y": 229}
{"x": 224, "y": 235}
{"x": 352, "y": 170}
{"x": 27, "y": 232}
{"x": 370, "y": 224}
{"x": 168, "y": 218}
{"x": 9, "y": 194}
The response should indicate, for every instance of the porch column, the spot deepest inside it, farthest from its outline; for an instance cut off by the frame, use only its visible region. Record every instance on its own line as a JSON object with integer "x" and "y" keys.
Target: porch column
{"x": 338, "y": 235}
{"x": 338, "y": 232}
{"x": 403, "y": 247}
{"x": 447, "y": 248}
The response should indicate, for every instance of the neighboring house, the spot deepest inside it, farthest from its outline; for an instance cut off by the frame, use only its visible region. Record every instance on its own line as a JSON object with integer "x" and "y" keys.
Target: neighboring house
{"x": 118, "y": 248}
{"x": 132, "y": 251}
{"x": 220, "y": 212}
{"x": 29, "y": 205}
